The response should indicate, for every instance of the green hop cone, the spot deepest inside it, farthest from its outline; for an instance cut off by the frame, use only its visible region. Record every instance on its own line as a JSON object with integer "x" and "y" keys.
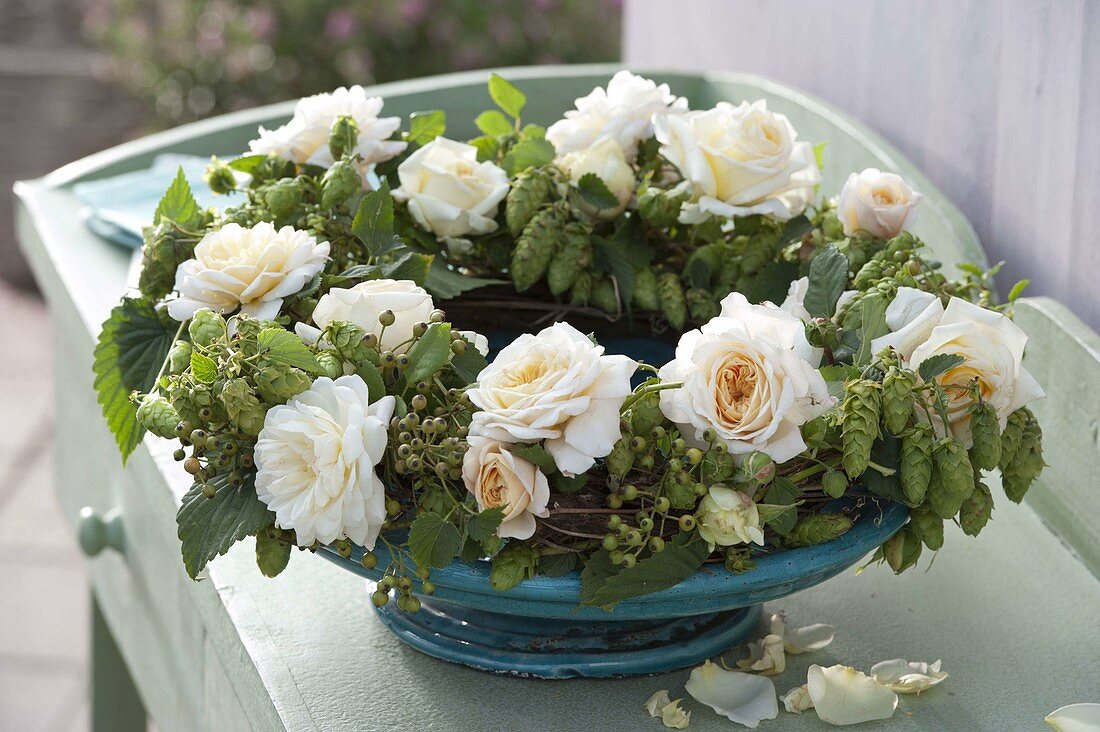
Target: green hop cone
{"x": 179, "y": 358}
{"x": 671, "y": 296}
{"x": 536, "y": 246}
{"x": 701, "y": 304}
{"x": 917, "y": 463}
{"x": 902, "y": 550}
{"x": 834, "y": 483}
{"x": 347, "y": 340}
{"x": 156, "y": 414}
{"x": 940, "y": 500}
{"x": 739, "y": 559}
{"x": 645, "y": 289}
{"x": 831, "y": 227}
{"x": 331, "y": 364}
{"x": 986, "y": 453}
{"x": 718, "y": 465}
{"x": 343, "y": 137}
{"x": 1013, "y": 436}
{"x": 581, "y": 292}
{"x": 868, "y": 274}
{"x": 928, "y": 527}
{"x": 645, "y": 414}
{"x": 283, "y": 197}
{"x": 953, "y": 468}
{"x": 529, "y": 191}
{"x": 220, "y": 177}
{"x": 243, "y": 407}
{"x": 860, "y": 425}
{"x": 604, "y": 296}
{"x": 206, "y": 327}
{"x": 340, "y": 183}
{"x": 574, "y": 257}
{"x": 659, "y": 209}
{"x": 277, "y": 384}
{"x": 620, "y": 460}
{"x": 165, "y": 248}
{"x": 1026, "y": 463}
{"x": 897, "y": 399}
{"x": 976, "y": 510}
{"x": 818, "y": 528}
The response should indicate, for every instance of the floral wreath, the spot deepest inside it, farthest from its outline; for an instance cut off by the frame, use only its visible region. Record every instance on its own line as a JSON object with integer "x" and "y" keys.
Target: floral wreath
{"x": 292, "y": 343}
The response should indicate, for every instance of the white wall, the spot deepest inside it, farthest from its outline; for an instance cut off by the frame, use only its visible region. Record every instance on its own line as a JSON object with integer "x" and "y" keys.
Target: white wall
{"x": 997, "y": 102}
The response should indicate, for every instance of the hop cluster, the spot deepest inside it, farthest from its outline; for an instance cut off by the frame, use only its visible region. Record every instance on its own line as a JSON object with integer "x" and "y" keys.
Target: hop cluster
{"x": 860, "y": 424}
{"x": 1021, "y": 454}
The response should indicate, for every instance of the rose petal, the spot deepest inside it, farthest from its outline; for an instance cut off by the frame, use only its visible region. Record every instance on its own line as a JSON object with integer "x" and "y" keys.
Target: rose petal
{"x": 907, "y": 677}
{"x": 743, "y": 698}
{"x": 797, "y": 700}
{"x": 766, "y": 656}
{"x": 673, "y": 717}
{"x": 802, "y": 640}
{"x": 843, "y": 696}
{"x": 654, "y": 703}
{"x": 1075, "y": 718}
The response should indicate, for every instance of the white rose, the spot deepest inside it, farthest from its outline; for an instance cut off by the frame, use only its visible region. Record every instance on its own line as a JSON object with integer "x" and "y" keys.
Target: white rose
{"x": 448, "y": 191}
{"x": 749, "y": 374}
{"x": 315, "y": 461}
{"x": 796, "y": 298}
{"x": 740, "y": 160}
{"x": 305, "y": 138}
{"x": 993, "y": 347}
{"x": 727, "y": 517}
{"x": 363, "y": 303}
{"x": 880, "y": 204}
{"x": 605, "y": 160}
{"x": 555, "y": 386}
{"x": 253, "y": 269}
{"x": 497, "y": 478}
{"x": 624, "y": 112}
{"x": 911, "y": 316}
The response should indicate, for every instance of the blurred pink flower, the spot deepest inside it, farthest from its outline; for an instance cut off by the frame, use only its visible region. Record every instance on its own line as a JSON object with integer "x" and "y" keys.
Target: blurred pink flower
{"x": 415, "y": 11}
{"x": 341, "y": 24}
{"x": 262, "y": 22}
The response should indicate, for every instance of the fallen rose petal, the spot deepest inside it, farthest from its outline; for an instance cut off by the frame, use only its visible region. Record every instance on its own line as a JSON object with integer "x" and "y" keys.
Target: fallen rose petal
{"x": 673, "y": 717}
{"x": 766, "y": 656}
{"x": 907, "y": 677}
{"x": 843, "y": 696}
{"x": 797, "y": 700}
{"x": 802, "y": 640}
{"x": 1075, "y": 718}
{"x": 743, "y": 698}
{"x": 655, "y": 702}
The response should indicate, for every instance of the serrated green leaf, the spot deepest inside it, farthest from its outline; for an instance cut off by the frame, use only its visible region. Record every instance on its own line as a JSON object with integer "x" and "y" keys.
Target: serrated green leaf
{"x": 564, "y": 484}
{"x": 411, "y": 266}
{"x": 246, "y": 163}
{"x": 203, "y": 368}
{"x": 207, "y": 527}
{"x": 373, "y": 223}
{"x": 782, "y": 494}
{"x": 939, "y": 364}
{"x": 595, "y": 192}
{"x": 680, "y": 559}
{"x": 132, "y": 346}
{"x": 622, "y": 256}
{"x": 506, "y": 96}
{"x": 886, "y": 453}
{"x": 836, "y": 376}
{"x": 530, "y": 153}
{"x": 597, "y": 569}
{"x": 513, "y": 564}
{"x": 772, "y": 282}
{"x": 872, "y": 325}
{"x": 468, "y": 364}
{"x": 430, "y": 352}
{"x": 426, "y": 126}
{"x": 557, "y": 565}
{"x": 492, "y": 122}
{"x": 483, "y": 525}
{"x": 272, "y": 555}
{"x": 433, "y": 542}
{"x": 487, "y": 147}
{"x": 178, "y": 204}
{"x": 827, "y": 278}
{"x": 362, "y": 272}
{"x": 283, "y": 347}
{"x": 445, "y": 283}
{"x": 376, "y": 388}
{"x": 537, "y": 456}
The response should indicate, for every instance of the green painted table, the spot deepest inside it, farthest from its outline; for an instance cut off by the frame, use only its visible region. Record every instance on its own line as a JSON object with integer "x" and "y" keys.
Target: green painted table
{"x": 1015, "y": 616}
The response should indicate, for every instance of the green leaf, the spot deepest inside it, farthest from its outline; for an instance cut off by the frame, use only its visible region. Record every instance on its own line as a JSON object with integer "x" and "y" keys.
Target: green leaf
{"x": 131, "y": 348}
{"x": 511, "y": 565}
{"x": 941, "y": 363}
{"x": 487, "y": 147}
{"x": 819, "y": 155}
{"x": 563, "y": 484}
{"x": 203, "y": 367}
{"x": 872, "y": 325}
{"x": 771, "y": 282}
{"x": 597, "y": 569}
{"x": 886, "y": 452}
{"x": 376, "y": 388}
{"x": 430, "y": 352}
{"x": 426, "y": 126}
{"x": 373, "y": 223}
{"x": 530, "y": 153}
{"x": 207, "y": 527}
{"x": 482, "y": 526}
{"x": 272, "y": 555}
{"x": 445, "y": 283}
{"x": 828, "y": 276}
{"x": 1017, "y": 290}
{"x": 782, "y": 494}
{"x": 492, "y": 122}
{"x": 178, "y": 204}
{"x": 557, "y": 565}
{"x": 622, "y": 256}
{"x": 506, "y": 96}
{"x": 412, "y": 266}
{"x": 680, "y": 559}
{"x": 246, "y": 163}
{"x": 283, "y": 347}
{"x": 537, "y": 456}
{"x": 468, "y": 364}
{"x": 433, "y": 542}
{"x": 836, "y": 375}
{"x": 595, "y": 192}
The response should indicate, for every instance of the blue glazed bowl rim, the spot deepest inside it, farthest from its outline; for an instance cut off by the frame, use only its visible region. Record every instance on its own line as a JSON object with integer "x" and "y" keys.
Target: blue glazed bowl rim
{"x": 788, "y": 566}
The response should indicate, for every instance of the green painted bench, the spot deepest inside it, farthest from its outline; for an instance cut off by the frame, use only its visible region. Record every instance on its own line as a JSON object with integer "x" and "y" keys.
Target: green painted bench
{"x": 1015, "y": 616}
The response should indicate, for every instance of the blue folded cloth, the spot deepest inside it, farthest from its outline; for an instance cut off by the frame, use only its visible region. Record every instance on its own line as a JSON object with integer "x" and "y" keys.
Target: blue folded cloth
{"x": 118, "y": 208}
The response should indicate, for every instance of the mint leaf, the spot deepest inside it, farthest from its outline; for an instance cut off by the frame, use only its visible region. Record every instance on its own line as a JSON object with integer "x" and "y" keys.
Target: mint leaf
{"x": 530, "y": 153}
{"x": 373, "y": 223}
{"x": 426, "y": 126}
{"x": 506, "y": 96}
{"x": 445, "y": 283}
{"x": 493, "y": 123}
{"x": 595, "y": 192}
{"x": 680, "y": 559}
{"x": 129, "y": 353}
{"x": 511, "y": 565}
{"x": 178, "y": 204}
{"x": 272, "y": 555}
{"x": 207, "y": 527}
{"x": 482, "y": 526}
{"x": 433, "y": 542}
{"x": 203, "y": 368}
{"x": 430, "y": 352}
{"x": 939, "y": 364}
{"x": 536, "y": 455}
{"x": 828, "y": 276}
{"x": 283, "y": 347}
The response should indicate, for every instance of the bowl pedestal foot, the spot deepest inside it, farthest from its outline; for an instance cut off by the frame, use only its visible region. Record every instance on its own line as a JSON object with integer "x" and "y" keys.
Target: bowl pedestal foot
{"x": 552, "y": 648}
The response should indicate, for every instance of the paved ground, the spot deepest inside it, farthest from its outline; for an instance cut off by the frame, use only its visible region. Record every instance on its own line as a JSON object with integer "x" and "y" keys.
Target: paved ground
{"x": 44, "y": 609}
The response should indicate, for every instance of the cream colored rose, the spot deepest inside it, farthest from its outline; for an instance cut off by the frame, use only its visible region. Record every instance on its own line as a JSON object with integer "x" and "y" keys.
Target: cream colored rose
{"x": 740, "y": 160}
{"x": 606, "y": 161}
{"x": 624, "y": 112}
{"x": 448, "y": 191}
{"x": 880, "y": 204}
{"x": 363, "y": 303}
{"x": 727, "y": 517}
{"x": 750, "y": 375}
{"x": 499, "y": 479}
{"x": 795, "y": 304}
{"x": 558, "y": 387}
{"x": 315, "y": 460}
{"x": 252, "y": 269}
{"x": 993, "y": 347}
{"x": 911, "y": 316}
{"x": 305, "y": 138}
